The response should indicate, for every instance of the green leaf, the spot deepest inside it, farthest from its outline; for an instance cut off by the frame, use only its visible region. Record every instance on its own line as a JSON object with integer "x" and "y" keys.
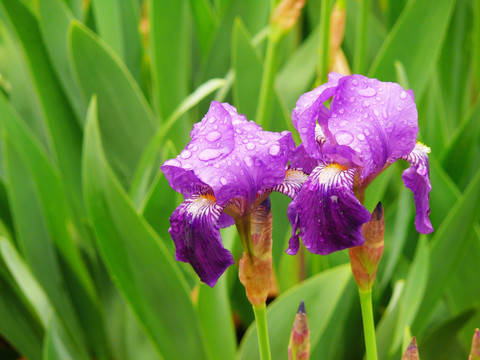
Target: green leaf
{"x": 321, "y": 294}
{"x": 216, "y": 321}
{"x": 46, "y": 230}
{"x": 55, "y": 18}
{"x": 62, "y": 128}
{"x": 170, "y": 58}
{"x": 418, "y": 54}
{"x": 136, "y": 258}
{"x": 248, "y": 71}
{"x": 124, "y": 115}
{"x": 57, "y": 346}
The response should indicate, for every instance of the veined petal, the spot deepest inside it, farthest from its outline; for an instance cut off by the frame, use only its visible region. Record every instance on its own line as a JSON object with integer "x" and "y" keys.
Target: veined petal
{"x": 194, "y": 229}
{"x": 376, "y": 119}
{"x": 417, "y": 179}
{"x": 325, "y": 213}
{"x": 291, "y": 185}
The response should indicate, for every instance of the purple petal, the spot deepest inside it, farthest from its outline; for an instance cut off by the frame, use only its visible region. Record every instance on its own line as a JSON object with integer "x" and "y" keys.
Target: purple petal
{"x": 309, "y": 109}
{"x": 376, "y": 119}
{"x": 194, "y": 229}
{"x": 300, "y": 160}
{"x": 417, "y": 179}
{"x": 231, "y": 155}
{"x": 326, "y": 213}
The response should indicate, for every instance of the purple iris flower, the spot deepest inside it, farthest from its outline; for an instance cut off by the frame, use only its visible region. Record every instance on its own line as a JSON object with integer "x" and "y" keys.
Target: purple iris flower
{"x": 368, "y": 126}
{"x": 229, "y": 168}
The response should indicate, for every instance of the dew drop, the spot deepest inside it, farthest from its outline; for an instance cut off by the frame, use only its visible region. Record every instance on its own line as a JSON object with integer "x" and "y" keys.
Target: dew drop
{"x": 209, "y": 154}
{"x": 359, "y": 119}
{"x": 385, "y": 114}
{"x": 274, "y": 150}
{"x": 366, "y": 132}
{"x": 352, "y": 99}
{"x": 334, "y": 198}
{"x": 194, "y": 148}
{"x": 245, "y": 141}
{"x": 378, "y": 98}
{"x": 213, "y": 136}
{"x": 185, "y": 154}
{"x": 376, "y": 112}
{"x": 341, "y": 110}
{"x": 238, "y": 131}
{"x": 390, "y": 126}
{"x": 216, "y": 166}
{"x": 248, "y": 160}
{"x": 304, "y": 130}
{"x": 366, "y": 103}
{"x": 187, "y": 166}
{"x": 399, "y": 107}
{"x": 344, "y": 138}
{"x": 250, "y": 146}
{"x": 367, "y": 92}
{"x": 211, "y": 120}
{"x": 215, "y": 127}
{"x": 223, "y": 181}
{"x": 403, "y": 95}
{"x": 237, "y": 163}
{"x": 361, "y": 137}
{"x": 173, "y": 162}
{"x": 365, "y": 115}
{"x": 355, "y": 82}
{"x": 263, "y": 141}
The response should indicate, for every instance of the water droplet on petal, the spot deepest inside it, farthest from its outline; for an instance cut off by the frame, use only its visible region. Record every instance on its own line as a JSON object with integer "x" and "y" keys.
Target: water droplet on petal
{"x": 366, "y": 103}
{"x": 355, "y": 82}
{"x": 385, "y": 114}
{"x": 172, "y": 162}
{"x": 274, "y": 150}
{"x": 352, "y": 99}
{"x": 211, "y": 120}
{"x": 213, "y": 136}
{"x": 187, "y": 166}
{"x": 365, "y": 115}
{"x": 263, "y": 141}
{"x": 390, "y": 126}
{"x": 378, "y": 98}
{"x": 367, "y": 92}
{"x": 399, "y": 108}
{"x": 250, "y": 146}
{"x": 376, "y": 112}
{"x": 366, "y": 132}
{"x": 238, "y": 131}
{"x": 248, "y": 160}
{"x": 359, "y": 119}
{"x": 216, "y": 166}
{"x": 304, "y": 130}
{"x": 334, "y": 198}
{"x": 223, "y": 181}
{"x": 209, "y": 154}
{"x": 245, "y": 141}
{"x": 403, "y": 95}
{"x": 422, "y": 170}
{"x": 341, "y": 110}
{"x": 344, "y": 138}
{"x": 361, "y": 137}
{"x": 185, "y": 154}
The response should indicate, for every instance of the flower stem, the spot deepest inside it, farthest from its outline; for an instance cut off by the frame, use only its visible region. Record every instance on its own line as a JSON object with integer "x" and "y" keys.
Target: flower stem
{"x": 262, "y": 331}
{"x": 322, "y": 70}
{"x": 264, "y": 110}
{"x": 361, "y": 38}
{"x": 368, "y": 324}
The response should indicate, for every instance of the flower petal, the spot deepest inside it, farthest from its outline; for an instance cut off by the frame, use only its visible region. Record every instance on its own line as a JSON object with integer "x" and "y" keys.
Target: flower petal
{"x": 231, "y": 155}
{"x": 376, "y": 119}
{"x": 309, "y": 109}
{"x": 194, "y": 229}
{"x": 326, "y": 213}
{"x": 291, "y": 185}
{"x": 301, "y": 160}
{"x": 417, "y": 179}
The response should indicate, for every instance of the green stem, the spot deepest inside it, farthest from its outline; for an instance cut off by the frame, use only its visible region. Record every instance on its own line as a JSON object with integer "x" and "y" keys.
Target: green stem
{"x": 361, "y": 37}
{"x": 368, "y": 324}
{"x": 322, "y": 70}
{"x": 265, "y": 102}
{"x": 262, "y": 331}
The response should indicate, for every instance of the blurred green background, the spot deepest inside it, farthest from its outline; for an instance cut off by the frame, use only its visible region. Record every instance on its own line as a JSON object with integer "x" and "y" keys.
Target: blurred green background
{"x": 96, "y": 94}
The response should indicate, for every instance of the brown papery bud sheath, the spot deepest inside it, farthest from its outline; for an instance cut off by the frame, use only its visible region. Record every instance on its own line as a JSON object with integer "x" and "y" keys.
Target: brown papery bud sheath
{"x": 475, "y": 351}
{"x": 299, "y": 345}
{"x": 286, "y": 14}
{"x": 412, "y": 351}
{"x": 364, "y": 259}
{"x": 255, "y": 268}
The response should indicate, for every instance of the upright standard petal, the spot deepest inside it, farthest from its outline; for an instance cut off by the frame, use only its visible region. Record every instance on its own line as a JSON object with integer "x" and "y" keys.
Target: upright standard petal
{"x": 194, "y": 229}
{"x": 309, "y": 109}
{"x": 417, "y": 179}
{"x": 378, "y": 120}
{"x": 325, "y": 213}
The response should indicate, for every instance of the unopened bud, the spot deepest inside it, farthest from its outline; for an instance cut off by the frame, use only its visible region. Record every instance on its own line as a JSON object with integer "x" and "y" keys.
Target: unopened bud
{"x": 299, "y": 345}
{"x": 255, "y": 267}
{"x": 364, "y": 259}
{"x": 286, "y": 14}
{"x": 475, "y": 351}
{"x": 412, "y": 351}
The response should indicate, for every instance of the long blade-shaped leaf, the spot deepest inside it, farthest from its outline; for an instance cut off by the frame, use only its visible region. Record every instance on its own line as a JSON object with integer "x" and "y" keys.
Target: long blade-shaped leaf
{"x": 138, "y": 262}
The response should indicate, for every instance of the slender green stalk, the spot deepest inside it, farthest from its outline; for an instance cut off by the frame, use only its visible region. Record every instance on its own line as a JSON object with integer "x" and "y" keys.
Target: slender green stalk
{"x": 262, "y": 331}
{"x": 368, "y": 324}
{"x": 265, "y": 102}
{"x": 322, "y": 70}
{"x": 361, "y": 37}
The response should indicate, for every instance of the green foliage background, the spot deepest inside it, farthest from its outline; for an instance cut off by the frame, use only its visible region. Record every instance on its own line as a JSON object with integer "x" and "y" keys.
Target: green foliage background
{"x": 96, "y": 94}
